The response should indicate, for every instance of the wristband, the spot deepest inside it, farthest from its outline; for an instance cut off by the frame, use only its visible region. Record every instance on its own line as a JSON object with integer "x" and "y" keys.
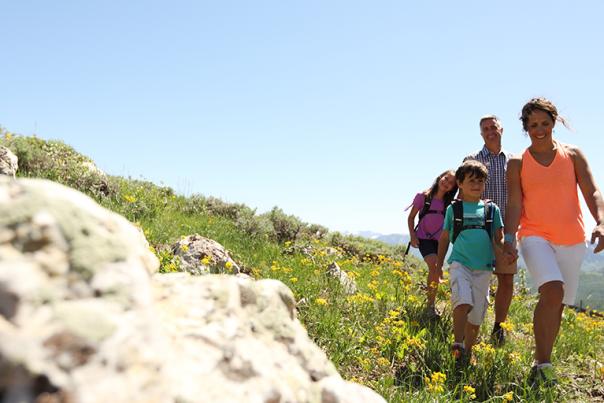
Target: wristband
{"x": 509, "y": 238}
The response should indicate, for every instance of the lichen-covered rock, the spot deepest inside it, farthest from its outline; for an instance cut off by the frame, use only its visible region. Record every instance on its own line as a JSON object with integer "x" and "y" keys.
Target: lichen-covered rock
{"x": 9, "y": 162}
{"x": 84, "y": 319}
{"x": 347, "y": 283}
{"x": 199, "y": 255}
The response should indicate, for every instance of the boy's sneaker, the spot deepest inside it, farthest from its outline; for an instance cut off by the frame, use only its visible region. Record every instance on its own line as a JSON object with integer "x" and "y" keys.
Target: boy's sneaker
{"x": 460, "y": 356}
{"x": 498, "y": 336}
{"x": 542, "y": 375}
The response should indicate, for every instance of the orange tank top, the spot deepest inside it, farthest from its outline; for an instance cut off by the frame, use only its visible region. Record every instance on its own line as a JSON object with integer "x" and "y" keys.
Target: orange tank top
{"x": 550, "y": 202}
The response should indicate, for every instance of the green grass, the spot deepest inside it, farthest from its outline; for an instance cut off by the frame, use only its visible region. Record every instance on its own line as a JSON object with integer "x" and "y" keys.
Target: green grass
{"x": 377, "y": 337}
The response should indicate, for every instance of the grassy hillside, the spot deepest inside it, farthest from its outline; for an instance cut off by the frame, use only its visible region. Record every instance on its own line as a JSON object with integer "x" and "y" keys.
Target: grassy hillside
{"x": 378, "y": 336}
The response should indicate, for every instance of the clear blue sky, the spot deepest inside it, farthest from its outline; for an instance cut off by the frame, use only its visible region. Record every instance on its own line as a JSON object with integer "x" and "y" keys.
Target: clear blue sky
{"x": 336, "y": 111}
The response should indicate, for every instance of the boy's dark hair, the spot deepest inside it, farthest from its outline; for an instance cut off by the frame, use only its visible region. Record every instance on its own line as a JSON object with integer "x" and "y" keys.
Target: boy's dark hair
{"x": 471, "y": 168}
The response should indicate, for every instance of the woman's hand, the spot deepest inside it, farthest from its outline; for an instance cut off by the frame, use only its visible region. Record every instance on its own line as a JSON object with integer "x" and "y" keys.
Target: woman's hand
{"x": 414, "y": 240}
{"x": 510, "y": 252}
{"x": 598, "y": 233}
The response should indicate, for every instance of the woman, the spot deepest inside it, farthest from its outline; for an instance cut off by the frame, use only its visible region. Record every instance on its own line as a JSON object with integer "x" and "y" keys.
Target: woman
{"x": 431, "y": 205}
{"x": 543, "y": 207}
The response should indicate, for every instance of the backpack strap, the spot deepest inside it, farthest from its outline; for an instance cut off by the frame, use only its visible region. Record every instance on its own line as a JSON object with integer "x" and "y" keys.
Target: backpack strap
{"x": 457, "y": 206}
{"x": 489, "y": 215}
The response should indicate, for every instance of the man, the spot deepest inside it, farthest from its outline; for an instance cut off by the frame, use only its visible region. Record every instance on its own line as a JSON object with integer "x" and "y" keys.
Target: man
{"x": 495, "y": 158}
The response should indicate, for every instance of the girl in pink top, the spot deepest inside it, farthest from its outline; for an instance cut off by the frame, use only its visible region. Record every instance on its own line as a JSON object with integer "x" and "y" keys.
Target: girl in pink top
{"x": 425, "y": 234}
{"x": 543, "y": 207}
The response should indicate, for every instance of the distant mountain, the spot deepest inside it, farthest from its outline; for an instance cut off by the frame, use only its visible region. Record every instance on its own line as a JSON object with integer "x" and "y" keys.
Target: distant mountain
{"x": 593, "y": 263}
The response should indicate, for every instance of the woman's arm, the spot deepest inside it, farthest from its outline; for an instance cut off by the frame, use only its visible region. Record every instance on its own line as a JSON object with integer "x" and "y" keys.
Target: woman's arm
{"x": 411, "y": 225}
{"x": 513, "y": 209}
{"x": 591, "y": 194}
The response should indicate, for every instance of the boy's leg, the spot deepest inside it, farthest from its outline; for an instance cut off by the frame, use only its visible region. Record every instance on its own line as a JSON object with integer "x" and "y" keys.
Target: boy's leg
{"x": 471, "y": 333}
{"x": 480, "y": 294}
{"x": 460, "y": 319}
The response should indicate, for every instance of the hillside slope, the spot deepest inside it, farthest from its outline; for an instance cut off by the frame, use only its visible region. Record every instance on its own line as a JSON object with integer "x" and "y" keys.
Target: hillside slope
{"x": 377, "y": 336}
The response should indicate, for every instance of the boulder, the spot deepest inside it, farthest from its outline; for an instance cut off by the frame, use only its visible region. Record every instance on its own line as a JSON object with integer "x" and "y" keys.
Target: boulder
{"x": 347, "y": 283}
{"x": 199, "y": 255}
{"x": 84, "y": 317}
{"x": 8, "y": 162}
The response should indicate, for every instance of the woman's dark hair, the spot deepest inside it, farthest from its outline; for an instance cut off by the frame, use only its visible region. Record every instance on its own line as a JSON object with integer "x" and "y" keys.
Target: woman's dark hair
{"x": 449, "y": 196}
{"x": 541, "y": 104}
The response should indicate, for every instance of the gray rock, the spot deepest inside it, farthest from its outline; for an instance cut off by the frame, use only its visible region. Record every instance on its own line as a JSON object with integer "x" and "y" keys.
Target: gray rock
{"x": 199, "y": 255}
{"x": 9, "y": 162}
{"x": 84, "y": 317}
{"x": 348, "y": 284}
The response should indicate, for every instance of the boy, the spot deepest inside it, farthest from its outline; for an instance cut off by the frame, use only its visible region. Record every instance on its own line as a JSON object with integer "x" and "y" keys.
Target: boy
{"x": 470, "y": 224}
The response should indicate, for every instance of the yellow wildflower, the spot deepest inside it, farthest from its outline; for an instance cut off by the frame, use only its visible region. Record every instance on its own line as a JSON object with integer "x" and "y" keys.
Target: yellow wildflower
{"x": 321, "y": 301}
{"x": 470, "y": 391}
{"x": 206, "y": 261}
{"x": 508, "y": 327}
{"x": 508, "y": 397}
{"x": 129, "y": 198}
{"x": 294, "y": 279}
{"x": 184, "y": 247}
{"x": 228, "y": 265}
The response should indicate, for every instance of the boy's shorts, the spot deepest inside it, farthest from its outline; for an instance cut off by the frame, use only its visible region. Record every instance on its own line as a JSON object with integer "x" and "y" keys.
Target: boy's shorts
{"x": 470, "y": 287}
{"x": 501, "y": 265}
{"x": 428, "y": 247}
{"x": 548, "y": 262}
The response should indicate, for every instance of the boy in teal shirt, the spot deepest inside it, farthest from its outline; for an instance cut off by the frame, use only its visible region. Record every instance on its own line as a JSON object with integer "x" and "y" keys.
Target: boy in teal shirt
{"x": 471, "y": 261}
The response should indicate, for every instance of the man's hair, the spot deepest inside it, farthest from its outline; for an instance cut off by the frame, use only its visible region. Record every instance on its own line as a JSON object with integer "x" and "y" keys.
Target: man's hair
{"x": 487, "y": 117}
{"x": 471, "y": 168}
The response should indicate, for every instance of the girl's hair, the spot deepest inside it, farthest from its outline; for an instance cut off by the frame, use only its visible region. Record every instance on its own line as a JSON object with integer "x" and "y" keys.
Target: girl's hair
{"x": 541, "y": 104}
{"x": 449, "y": 196}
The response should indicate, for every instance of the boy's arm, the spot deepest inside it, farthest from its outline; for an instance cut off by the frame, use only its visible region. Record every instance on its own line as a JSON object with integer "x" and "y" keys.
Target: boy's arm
{"x": 443, "y": 247}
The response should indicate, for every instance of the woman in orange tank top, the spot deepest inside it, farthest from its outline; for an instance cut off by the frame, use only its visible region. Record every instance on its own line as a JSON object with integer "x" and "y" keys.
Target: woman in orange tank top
{"x": 543, "y": 211}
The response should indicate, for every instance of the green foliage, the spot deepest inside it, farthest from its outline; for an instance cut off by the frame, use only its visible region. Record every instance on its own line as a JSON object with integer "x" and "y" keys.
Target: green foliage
{"x": 379, "y": 336}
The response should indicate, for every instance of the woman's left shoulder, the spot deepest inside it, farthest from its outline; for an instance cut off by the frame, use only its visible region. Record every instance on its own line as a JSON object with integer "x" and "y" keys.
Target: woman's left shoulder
{"x": 572, "y": 150}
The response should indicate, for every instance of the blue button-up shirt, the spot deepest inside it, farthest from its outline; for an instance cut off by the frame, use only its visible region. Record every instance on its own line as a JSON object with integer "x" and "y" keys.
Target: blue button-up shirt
{"x": 496, "y": 186}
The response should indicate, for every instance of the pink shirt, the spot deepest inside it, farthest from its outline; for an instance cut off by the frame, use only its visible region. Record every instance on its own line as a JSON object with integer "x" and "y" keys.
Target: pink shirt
{"x": 431, "y": 225}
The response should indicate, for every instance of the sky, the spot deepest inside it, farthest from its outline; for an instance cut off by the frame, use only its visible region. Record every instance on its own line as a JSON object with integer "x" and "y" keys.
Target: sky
{"x": 338, "y": 112}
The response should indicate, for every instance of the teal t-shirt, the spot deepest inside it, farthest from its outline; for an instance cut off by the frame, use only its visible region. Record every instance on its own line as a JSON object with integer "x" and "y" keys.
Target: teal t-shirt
{"x": 473, "y": 247}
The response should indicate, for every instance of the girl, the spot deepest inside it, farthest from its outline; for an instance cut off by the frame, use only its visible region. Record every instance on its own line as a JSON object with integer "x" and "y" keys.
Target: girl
{"x": 431, "y": 205}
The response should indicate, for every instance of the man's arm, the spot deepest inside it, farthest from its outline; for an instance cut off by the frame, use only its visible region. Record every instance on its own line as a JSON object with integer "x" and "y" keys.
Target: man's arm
{"x": 513, "y": 208}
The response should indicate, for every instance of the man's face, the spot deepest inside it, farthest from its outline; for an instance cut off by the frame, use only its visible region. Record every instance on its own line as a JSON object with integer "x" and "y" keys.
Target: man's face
{"x": 491, "y": 131}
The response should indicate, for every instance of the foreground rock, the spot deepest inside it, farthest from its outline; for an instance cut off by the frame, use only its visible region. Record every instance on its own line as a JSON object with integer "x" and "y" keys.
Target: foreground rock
{"x": 8, "y": 162}
{"x": 84, "y": 319}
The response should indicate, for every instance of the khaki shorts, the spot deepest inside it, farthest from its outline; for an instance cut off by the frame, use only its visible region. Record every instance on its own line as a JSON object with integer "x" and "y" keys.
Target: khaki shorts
{"x": 501, "y": 266}
{"x": 470, "y": 287}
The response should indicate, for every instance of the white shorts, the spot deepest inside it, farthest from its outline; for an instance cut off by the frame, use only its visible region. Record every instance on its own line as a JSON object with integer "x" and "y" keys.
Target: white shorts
{"x": 548, "y": 262}
{"x": 470, "y": 287}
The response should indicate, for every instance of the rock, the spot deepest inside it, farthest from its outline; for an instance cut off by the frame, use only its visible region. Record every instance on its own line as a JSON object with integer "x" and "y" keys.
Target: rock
{"x": 8, "y": 162}
{"x": 84, "y": 319}
{"x": 199, "y": 255}
{"x": 348, "y": 284}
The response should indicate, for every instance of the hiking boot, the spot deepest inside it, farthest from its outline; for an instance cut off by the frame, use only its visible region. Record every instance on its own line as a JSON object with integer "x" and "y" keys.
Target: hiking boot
{"x": 498, "y": 337}
{"x": 431, "y": 314}
{"x": 542, "y": 376}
